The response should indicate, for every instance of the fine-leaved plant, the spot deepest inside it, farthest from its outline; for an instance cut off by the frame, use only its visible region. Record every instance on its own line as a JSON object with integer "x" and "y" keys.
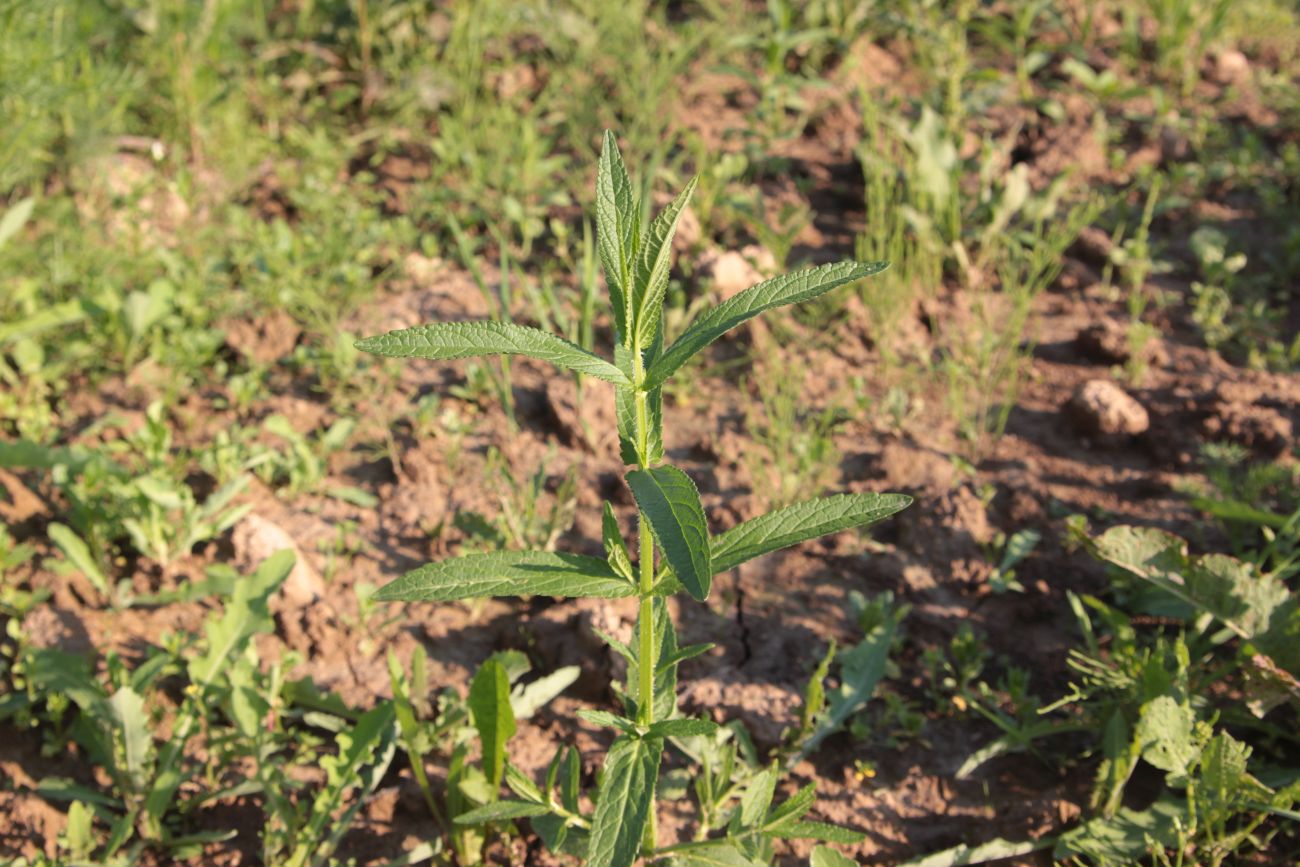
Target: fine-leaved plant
{"x": 675, "y": 551}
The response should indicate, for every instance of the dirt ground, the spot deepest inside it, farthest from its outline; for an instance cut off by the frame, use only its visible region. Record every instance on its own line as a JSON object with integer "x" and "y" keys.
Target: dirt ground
{"x": 771, "y": 619}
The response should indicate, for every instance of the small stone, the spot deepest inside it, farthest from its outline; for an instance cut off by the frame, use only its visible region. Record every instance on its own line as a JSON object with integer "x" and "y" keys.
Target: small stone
{"x": 733, "y": 272}
{"x": 1231, "y": 67}
{"x": 255, "y": 538}
{"x": 1103, "y": 341}
{"x": 1102, "y": 407}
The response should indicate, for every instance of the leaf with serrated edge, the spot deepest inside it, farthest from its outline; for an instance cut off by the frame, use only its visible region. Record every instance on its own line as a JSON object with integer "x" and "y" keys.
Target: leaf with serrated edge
{"x": 502, "y": 811}
{"x": 822, "y": 831}
{"x": 616, "y": 212}
{"x": 799, "y": 523}
{"x": 712, "y": 855}
{"x": 671, "y": 504}
{"x": 489, "y": 706}
{"x": 611, "y": 538}
{"x": 508, "y": 573}
{"x": 825, "y": 856}
{"x": 786, "y": 289}
{"x": 681, "y": 728}
{"x": 652, "y": 265}
{"x": 624, "y": 802}
{"x": 448, "y": 340}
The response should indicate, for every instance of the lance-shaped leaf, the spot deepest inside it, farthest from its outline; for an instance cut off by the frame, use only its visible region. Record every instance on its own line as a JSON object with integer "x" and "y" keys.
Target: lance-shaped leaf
{"x": 670, "y": 503}
{"x": 447, "y": 340}
{"x": 786, "y": 289}
{"x": 653, "y": 261}
{"x": 617, "y": 218}
{"x": 799, "y": 523}
{"x": 508, "y": 573}
{"x": 625, "y": 799}
{"x": 489, "y": 706}
{"x": 625, "y": 411}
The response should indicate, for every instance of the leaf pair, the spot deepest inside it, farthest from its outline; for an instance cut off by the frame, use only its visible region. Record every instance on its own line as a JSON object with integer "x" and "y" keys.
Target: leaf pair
{"x": 677, "y": 525}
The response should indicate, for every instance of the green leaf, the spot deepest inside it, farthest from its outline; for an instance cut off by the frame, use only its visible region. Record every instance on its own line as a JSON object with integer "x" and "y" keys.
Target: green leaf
{"x": 502, "y": 811}
{"x": 653, "y": 261}
{"x": 617, "y": 216}
{"x": 681, "y": 728}
{"x": 126, "y": 708}
{"x": 712, "y": 855}
{"x": 1166, "y": 730}
{"x": 246, "y": 614}
{"x": 78, "y": 554}
{"x": 787, "y": 289}
{"x": 447, "y": 340}
{"x": 799, "y": 523}
{"x": 615, "y": 547}
{"x": 994, "y": 850}
{"x": 605, "y": 719}
{"x": 624, "y": 801}
{"x": 1120, "y": 839}
{"x": 758, "y": 796}
{"x": 15, "y": 218}
{"x": 508, "y": 573}
{"x": 625, "y": 413}
{"x": 824, "y": 856}
{"x": 527, "y": 699}
{"x": 1255, "y": 606}
{"x": 670, "y": 503}
{"x": 489, "y": 707}
{"x": 823, "y": 831}
{"x": 861, "y": 668}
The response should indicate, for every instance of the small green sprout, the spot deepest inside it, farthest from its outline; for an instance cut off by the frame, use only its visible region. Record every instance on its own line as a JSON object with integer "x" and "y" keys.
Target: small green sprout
{"x": 636, "y": 261}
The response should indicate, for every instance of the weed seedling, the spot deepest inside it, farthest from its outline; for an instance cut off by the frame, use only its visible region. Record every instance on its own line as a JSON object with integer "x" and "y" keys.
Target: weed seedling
{"x": 636, "y": 260}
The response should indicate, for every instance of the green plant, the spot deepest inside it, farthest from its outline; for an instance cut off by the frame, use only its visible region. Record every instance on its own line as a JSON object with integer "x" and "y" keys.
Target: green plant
{"x": 636, "y": 261}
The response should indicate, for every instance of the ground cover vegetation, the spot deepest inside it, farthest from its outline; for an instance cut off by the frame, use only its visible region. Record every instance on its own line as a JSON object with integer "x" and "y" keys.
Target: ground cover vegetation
{"x": 219, "y": 221}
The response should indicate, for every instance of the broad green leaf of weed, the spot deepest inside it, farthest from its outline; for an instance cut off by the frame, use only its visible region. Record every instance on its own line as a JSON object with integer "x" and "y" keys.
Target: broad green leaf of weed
{"x": 861, "y": 668}
{"x": 1166, "y": 730}
{"x": 625, "y": 414}
{"x": 624, "y": 801}
{"x": 132, "y": 724}
{"x": 489, "y": 706}
{"x": 508, "y": 573}
{"x": 825, "y": 856}
{"x": 616, "y": 552}
{"x": 617, "y": 232}
{"x": 527, "y": 699}
{"x": 993, "y": 850}
{"x": 653, "y": 261}
{"x": 1127, "y": 836}
{"x": 670, "y": 503}
{"x": 449, "y": 340}
{"x": 78, "y": 554}
{"x": 799, "y": 523}
{"x": 245, "y": 614}
{"x": 756, "y": 800}
{"x": 713, "y": 855}
{"x": 786, "y": 289}
{"x": 502, "y": 811}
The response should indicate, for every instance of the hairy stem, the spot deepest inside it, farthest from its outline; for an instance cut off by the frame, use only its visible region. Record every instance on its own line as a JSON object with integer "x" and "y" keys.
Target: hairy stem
{"x": 646, "y": 560}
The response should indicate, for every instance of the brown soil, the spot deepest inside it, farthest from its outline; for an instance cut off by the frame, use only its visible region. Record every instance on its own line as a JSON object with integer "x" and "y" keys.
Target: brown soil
{"x": 771, "y": 619}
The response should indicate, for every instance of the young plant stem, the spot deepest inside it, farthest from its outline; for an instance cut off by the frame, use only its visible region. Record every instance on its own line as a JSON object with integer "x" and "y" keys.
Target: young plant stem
{"x": 646, "y": 560}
